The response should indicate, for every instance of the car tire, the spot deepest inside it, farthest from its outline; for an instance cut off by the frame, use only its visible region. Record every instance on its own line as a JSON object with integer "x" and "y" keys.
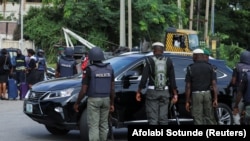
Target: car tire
{"x": 224, "y": 114}
{"x": 84, "y": 130}
{"x": 56, "y": 131}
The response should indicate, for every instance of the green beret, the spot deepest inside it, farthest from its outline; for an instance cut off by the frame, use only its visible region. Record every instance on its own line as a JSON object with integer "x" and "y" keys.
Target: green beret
{"x": 206, "y": 51}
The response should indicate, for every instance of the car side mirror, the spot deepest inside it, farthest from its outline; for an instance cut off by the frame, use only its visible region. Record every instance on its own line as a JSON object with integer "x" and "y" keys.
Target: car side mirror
{"x": 130, "y": 75}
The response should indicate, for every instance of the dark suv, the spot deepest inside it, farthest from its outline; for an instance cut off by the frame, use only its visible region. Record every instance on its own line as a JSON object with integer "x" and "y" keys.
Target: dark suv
{"x": 51, "y": 102}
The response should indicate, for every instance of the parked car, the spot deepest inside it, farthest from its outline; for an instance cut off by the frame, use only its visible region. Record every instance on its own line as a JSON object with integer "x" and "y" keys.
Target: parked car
{"x": 51, "y": 102}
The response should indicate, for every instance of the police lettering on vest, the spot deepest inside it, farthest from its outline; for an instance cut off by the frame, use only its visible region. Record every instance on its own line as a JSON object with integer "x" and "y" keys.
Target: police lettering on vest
{"x": 160, "y": 78}
{"x": 100, "y": 81}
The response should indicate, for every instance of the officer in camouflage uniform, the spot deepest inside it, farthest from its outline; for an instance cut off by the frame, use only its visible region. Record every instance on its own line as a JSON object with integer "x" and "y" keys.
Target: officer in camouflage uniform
{"x": 157, "y": 101}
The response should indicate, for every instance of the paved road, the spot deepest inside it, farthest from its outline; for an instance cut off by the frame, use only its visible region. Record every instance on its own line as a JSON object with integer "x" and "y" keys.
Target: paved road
{"x": 16, "y": 126}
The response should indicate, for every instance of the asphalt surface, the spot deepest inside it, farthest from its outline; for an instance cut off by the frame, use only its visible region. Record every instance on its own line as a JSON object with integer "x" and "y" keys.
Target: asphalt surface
{"x": 16, "y": 126}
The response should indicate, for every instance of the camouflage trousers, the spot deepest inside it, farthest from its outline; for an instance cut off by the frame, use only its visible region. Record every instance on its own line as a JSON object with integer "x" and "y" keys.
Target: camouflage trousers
{"x": 97, "y": 117}
{"x": 157, "y": 103}
{"x": 202, "y": 109}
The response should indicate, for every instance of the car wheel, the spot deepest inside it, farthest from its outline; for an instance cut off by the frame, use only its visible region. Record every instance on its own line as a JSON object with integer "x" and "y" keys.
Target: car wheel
{"x": 224, "y": 114}
{"x": 84, "y": 132}
{"x": 56, "y": 131}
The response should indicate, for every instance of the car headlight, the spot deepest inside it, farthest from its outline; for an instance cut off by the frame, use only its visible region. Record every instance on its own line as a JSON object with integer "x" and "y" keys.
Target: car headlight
{"x": 60, "y": 93}
{"x": 27, "y": 94}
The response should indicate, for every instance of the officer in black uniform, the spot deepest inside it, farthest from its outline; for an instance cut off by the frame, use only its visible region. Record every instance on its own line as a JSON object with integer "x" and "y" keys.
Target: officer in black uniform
{"x": 243, "y": 94}
{"x": 200, "y": 81}
{"x": 20, "y": 67}
{"x": 98, "y": 85}
{"x": 157, "y": 101}
{"x": 66, "y": 65}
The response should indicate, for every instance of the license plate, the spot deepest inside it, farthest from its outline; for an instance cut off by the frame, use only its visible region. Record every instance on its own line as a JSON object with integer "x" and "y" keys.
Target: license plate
{"x": 29, "y": 108}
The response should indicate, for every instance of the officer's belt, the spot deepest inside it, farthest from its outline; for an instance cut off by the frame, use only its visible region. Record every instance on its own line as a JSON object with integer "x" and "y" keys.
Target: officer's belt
{"x": 153, "y": 87}
{"x": 20, "y": 68}
{"x": 201, "y": 91}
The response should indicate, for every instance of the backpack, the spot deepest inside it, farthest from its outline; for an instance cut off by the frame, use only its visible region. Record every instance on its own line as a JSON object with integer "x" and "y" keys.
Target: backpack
{"x": 160, "y": 75}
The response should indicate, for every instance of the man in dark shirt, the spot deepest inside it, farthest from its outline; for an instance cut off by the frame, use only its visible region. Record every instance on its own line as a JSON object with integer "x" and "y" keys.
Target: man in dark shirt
{"x": 243, "y": 95}
{"x": 32, "y": 68}
{"x": 157, "y": 101}
{"x": 200, "y": 81}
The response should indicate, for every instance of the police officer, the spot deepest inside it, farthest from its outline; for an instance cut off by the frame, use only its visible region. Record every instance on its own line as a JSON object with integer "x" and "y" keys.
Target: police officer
{"x": 244, "y": 93}
{"x": 157, "y": 101}
{"x": 32, "y": 77}
{"x": 41, "y": 65}
{"x": 200, "y": 80}
{"x": 98, "y": 85}
{"x": 242, "y": 66}
{"x": 66, "y": 65}
{"x": 20, "y": 67}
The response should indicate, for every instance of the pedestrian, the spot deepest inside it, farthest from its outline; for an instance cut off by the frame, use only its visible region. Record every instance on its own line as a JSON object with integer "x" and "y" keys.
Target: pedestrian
{"x": 98, "y": 85}
{"x": 160, "y": 75}
{"x": 20, "y": 67}
{"x": 242, "y": 66}
{"x": 41, "y": 65}
{"x": 200, "y": 83}
{"x": 4, "y": 73}
{"x": 66, "y": 65}
{"x": 31, "y": 70}
{"x": 243, "y": 95}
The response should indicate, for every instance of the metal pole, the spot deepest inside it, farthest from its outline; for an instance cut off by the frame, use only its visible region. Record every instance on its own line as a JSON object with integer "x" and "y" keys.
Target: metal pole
{"x": 129, "y": 25}
{"x": 212, "y": 17}
{"x": 179, "y": 7}
{"x": 191, "y": 15}
{"x": 206, "y": 21}
{"x": 21, "y": 15}
{"x": 122, "y": 24}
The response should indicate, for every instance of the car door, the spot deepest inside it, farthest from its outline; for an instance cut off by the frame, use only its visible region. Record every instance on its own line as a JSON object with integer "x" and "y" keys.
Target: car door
{"x": 127, "y": 107}
{"x": 180, "y": 65}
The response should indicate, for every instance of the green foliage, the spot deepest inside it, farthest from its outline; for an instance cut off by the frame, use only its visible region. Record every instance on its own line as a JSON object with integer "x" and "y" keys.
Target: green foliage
{"x": 47, "y": 34}
{"x": 230, "y": 53}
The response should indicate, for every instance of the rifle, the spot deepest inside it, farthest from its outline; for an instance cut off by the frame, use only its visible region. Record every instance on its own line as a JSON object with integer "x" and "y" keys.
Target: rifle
{"x": 176, "y": 113}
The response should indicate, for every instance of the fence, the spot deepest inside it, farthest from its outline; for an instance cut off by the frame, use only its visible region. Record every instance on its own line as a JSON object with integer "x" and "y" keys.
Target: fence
{"x": 17, "y": 44}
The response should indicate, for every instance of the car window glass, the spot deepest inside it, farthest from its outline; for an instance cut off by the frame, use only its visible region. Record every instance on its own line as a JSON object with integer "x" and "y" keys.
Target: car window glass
{"x": 119, "y": 63}
{"x": 180, "y": 65}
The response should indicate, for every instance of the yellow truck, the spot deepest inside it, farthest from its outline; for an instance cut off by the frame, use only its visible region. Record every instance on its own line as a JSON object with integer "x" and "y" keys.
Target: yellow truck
{"x": 181, "y": 40}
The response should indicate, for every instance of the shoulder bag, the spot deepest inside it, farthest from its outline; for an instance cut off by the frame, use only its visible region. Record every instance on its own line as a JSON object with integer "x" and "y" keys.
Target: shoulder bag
{"x": 5, "y": 66}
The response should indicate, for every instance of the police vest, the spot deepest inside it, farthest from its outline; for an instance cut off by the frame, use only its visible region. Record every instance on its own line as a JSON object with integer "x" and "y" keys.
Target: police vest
{"x": 66, "y": 67}
{"x": 20, "y": 63}
{"x": 241, "y": 68}
{"x": 100, "y": 82}
{"x": 41, "y": 63}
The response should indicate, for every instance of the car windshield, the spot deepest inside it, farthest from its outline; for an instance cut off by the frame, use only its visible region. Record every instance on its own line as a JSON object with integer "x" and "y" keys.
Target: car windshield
{"x": 118, "y": 63}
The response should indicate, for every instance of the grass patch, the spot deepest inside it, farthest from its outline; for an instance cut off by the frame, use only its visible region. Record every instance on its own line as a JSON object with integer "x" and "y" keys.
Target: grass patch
{"x": 52, "y": 65}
